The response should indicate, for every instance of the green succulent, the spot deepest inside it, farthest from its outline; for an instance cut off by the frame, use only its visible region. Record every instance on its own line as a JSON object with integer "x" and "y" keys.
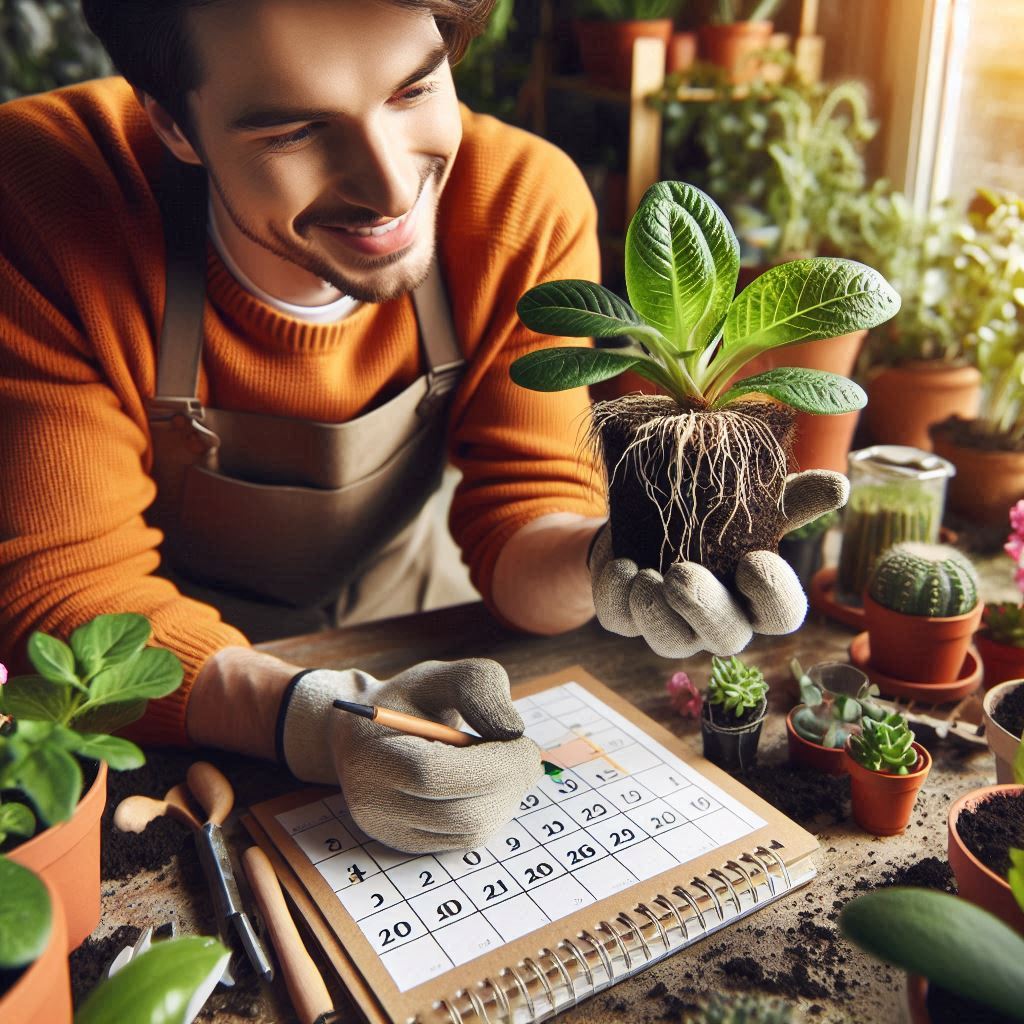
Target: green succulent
{"x": 885, "y": 745}
{"x": 931, "y": 580}
{"x": 1004, "y": 623}
{"x": 743, "y": 1010}
{"x": 735, "y": 686}
{"x": 828, "y": 718}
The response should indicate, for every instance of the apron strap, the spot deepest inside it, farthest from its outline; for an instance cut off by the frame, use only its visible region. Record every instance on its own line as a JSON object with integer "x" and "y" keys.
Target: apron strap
{"x": 440, "y": 345}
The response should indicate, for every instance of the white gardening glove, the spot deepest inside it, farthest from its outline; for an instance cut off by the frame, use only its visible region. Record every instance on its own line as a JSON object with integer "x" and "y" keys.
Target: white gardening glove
{"x": 412, "y": 794}
{"x": 689, "y": 610}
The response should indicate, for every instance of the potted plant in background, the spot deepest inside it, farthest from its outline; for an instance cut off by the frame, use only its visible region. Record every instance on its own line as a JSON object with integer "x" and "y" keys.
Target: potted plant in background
{"x": 802, "y": 547}
{"x": 1000, "y": 641}
{"x": 735, "y": 705}
{"x": 56, "y": 722}
{"x": 973, "y": 963}
{"x": 735, "y": 36}
{"x": 698, "y": 473}
{"x": 886, "y": 769}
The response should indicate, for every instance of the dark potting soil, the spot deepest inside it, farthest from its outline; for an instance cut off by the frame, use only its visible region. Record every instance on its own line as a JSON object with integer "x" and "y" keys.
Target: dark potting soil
{"x": 805, "y": 795}
{"x": 1009, "y": 712}
{"x": 991, "y": 827}
{"x": 971, "y": 434}
{"x": 638, "y": 529}
{"x": 945, "y": 1007}
{"x": 730, "y": 720}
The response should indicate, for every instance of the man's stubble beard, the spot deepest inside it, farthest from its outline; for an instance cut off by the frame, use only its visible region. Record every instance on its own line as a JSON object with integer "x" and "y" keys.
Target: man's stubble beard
{"x": 408, "y": 280}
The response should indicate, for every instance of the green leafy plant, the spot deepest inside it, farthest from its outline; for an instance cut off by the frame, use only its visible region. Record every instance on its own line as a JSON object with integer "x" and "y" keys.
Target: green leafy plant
{"x": 626, "y": 10}
{"x": 100, "y": 681}
{"x": 743, "y": 1010}
{"x": 884, "y": 745}
{"x": 931, "y": 580}
{"x": 815, "y": 527}
{"x": 26, "y": 917}
{"x": 828, "y": 718}
{"x": 1003, "y": 621}
{"x": 728, "y": 12}
{"x": 735, "y": 686}
{"x": 951, "y": 942}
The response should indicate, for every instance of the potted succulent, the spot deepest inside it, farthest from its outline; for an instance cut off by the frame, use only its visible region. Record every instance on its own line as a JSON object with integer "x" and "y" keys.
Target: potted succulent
{"x": 34, "y": 984}
{"x": 921, "y": 608}
{"x": 972, "y": 962}
{"x": 1003, "y": 716}
{"x": 737, "y": 33}
{"x": 743, "y": 1009}
{"x": 733, "y": 712}
{"x": 1000, "y": 641}
{"x": 988, "y": 449}
{"x": 886, "y": 769}
{"x": 817, "y": 729}
{"x": 697, "y": 474}
{"x": 57, "y": 722}
{"x": 802, "y": 547}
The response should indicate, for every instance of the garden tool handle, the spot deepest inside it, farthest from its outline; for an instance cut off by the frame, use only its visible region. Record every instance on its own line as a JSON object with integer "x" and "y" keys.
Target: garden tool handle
{"x": 213, "y": 791}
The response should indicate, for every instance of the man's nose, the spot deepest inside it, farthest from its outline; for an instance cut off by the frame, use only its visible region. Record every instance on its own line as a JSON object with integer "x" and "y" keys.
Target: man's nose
{"x": 374, "y": 168}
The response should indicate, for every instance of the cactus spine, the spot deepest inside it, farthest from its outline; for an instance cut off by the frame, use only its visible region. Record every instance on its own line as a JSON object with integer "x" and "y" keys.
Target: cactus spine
{"x": 924, "y": 579}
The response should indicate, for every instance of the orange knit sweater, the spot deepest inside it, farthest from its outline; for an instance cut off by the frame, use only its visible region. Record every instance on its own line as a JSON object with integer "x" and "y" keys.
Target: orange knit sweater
{"x": 81, "y": 303}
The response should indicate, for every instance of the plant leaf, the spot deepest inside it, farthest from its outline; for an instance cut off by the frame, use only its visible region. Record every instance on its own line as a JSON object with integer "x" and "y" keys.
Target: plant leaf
{"x": 110, "y": 717}
{"x": 109, "y": 640}
{"x": 53, "y": 659}
{"x": 26, "y": 917}
{"x": 51, "y": 779}
{"x": 558, "y": 369}
{"x": 35, "y": 697}
{"x": 814, "y": 391}
{"x": 120, "y": 754}
{"x": 167, "y": 984}
{"x": 578, "y": 309}
{"x": 153, "y": 672}
{"x": 948, "y": 940}
{"x": 803, "y": 300}
{"x": 682, "y": 260}
{"x": 17, "y": 819}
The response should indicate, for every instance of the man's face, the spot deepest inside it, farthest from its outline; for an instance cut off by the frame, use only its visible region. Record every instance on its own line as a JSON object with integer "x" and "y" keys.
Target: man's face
{"x": 328, "y": 128}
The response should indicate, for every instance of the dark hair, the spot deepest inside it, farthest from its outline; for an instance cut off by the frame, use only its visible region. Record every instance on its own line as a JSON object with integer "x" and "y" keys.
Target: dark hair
{"x": 149, "y": 45}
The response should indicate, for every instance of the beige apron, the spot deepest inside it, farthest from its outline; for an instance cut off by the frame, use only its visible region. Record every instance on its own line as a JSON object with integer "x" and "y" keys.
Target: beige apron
{"x": 290, "y": 525}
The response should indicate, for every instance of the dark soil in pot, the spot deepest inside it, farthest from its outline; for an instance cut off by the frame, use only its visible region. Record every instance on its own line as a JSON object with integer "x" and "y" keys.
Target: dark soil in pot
{"x": 1009, "y": 712}
{"x": 701, "y": 486}
{"x": 971, "y": 434}
{"x": 991, "y": 827}
{"x": 946, "y": 1007}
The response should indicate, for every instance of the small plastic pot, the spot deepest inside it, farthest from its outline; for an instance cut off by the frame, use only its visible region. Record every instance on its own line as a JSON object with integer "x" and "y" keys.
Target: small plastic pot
{"x": 974, "y": 881}
{"x": 42, "y": 995}
{"x": 67, "y": 856}
{"x": 883, "y": 802}
{"x": 829, "y": 760}
{"x": 732, "y": 748}
{"x": 1001, "y": 742}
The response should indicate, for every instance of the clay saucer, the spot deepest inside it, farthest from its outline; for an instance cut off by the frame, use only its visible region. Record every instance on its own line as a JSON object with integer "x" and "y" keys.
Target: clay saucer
{"x": 930, "y": 693}
{"x": 822, "y": 595}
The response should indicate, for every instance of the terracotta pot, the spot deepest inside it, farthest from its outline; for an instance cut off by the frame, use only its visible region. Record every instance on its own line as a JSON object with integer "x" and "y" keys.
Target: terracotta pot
{"x": 682, "y": 52}
{"x": 42, "y": 995}
{"x": 1001, "y": 742}
{"x": 829, "y": 760}
{"x": 67, "y": 856}
{"x": 917, "y": 648}
{"x": 917, "y": 999}
{"x": 606, "y": 47}
{"x": 986, "y": 484}
{"x": 735, "y": 47}
{"x": 882, "y": 803}
{"x": 1002, "y": 661}
{"x": 974, "y": 880}
{"x": 903, "y": 401}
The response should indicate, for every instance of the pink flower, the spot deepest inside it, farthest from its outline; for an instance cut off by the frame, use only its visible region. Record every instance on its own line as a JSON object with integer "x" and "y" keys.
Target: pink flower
{"x": 1018, "y": 577}
{"x": 1017, "y": 518}
{"x": 1014, "y": 546}
{"x": 3, "y": 673}
{"x": 683, "y": 695}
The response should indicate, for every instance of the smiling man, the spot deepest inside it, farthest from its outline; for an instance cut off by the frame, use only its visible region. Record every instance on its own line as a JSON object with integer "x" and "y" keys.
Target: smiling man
{"x": 253, "y": 294}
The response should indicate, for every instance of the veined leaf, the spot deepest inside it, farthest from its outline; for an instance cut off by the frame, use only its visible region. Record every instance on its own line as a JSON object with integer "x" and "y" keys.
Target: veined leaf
{"x": 36, "y": 697}
{"x": 153, "y": 672}
{"x": 110, "y": 717}
{"x": 16, "y": 819}
{"x": 559, "y": 369}
{"x": 804, "y": 300}
{"x": 813, "y": 391}
{"x": 578, "y": 309}
{"x": 53, "y": 659}
{"x": 108, "y": 640}
{"x": 119, "y": 753}
{"x": 51, "y": 779}
{"x": 682, "y": 259}
{"x": 26, "y": 917}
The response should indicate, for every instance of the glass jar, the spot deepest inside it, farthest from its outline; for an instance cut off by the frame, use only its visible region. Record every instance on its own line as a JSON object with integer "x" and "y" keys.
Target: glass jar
{"x": 897, "y": 493}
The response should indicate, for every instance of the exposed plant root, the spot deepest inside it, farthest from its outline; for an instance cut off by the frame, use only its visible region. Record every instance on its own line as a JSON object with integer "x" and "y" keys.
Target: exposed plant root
{"x": 724, "y": 443}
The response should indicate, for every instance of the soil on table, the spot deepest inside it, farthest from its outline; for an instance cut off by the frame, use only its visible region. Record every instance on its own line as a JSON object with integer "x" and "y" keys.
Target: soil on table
{"x": 991, "y": 827}
{"x": 637, "y": 521}
{"x": 1009, "y": 712}
{"x": 808, "y": 797}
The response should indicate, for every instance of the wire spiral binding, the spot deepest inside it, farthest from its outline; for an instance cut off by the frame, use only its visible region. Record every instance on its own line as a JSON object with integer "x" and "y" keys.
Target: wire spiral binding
{"x": 734, "y": 885}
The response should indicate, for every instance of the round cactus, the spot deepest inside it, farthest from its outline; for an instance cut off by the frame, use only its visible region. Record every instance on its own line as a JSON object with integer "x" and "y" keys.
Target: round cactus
{"x": 924, "y": 579}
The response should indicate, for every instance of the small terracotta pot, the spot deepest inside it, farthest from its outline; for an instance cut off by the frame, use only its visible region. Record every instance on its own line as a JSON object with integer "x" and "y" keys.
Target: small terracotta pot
{"x": 682, "y": 52}
{"x": 917, "y": 648}
{"x": 606, "y": 47}
{"x": 986, "y": 484}
{"x": 903, "y": 401}
{"x": 67, "y": 856}
{"x": 42, "y": 995}
{"x": 974, "y": 881}
{"x": 882, "y": 802}
{"x": 1002, "y": 661}
{"x": 1001, "y": 742}
{"x": 734, "y": 47}
{"x": 829, "y": 760}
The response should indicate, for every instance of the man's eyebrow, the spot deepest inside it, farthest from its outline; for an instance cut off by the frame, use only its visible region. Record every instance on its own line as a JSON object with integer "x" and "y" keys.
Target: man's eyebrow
{"x": 273, "y": 117}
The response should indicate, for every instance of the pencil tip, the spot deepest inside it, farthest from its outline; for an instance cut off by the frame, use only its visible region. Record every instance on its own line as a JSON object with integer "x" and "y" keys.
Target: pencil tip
{"x": 363, "y": 710}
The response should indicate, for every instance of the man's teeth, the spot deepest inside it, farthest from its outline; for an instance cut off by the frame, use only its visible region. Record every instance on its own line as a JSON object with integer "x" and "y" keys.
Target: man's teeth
{"x": 383, "y": 229}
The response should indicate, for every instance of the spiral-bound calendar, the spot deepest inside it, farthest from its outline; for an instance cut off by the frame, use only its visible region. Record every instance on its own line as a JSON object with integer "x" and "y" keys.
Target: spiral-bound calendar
{"x": 637, "y": 850}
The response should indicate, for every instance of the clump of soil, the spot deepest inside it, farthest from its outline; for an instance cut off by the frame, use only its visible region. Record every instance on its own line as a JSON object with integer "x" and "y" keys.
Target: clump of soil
{"x": 701, "y": 485}
{"x": 92, "y": 958}
{"x": 929, "y": 873}
{"x": 991, "y": 827}
{"x": 802, "y": 794}
{"x": 1009, "y": 712}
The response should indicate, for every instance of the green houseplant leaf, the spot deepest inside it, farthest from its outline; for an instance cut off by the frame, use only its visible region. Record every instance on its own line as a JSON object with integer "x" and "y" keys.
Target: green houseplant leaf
{"x": 153, "y": 672}
{"x": 108, "y": 640}
{"x": 558, "y": 369}
{"x": 109, "y": 717}
{"x": 26, "y": 917}
{"x": 120, "y": 754}
{"x": 49, "y": 777}
{"x": 35, "y": 697}
{"x": 948, "y": 940}
{"x": 53, "y": 659}
{"x": 813, "y": 391}
{"x": 16, "y": 819}
{"x": 578, "y": 309}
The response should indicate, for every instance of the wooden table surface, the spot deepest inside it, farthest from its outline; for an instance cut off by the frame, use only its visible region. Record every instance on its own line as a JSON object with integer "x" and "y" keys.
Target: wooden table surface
{"x": 854, "y": 989}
